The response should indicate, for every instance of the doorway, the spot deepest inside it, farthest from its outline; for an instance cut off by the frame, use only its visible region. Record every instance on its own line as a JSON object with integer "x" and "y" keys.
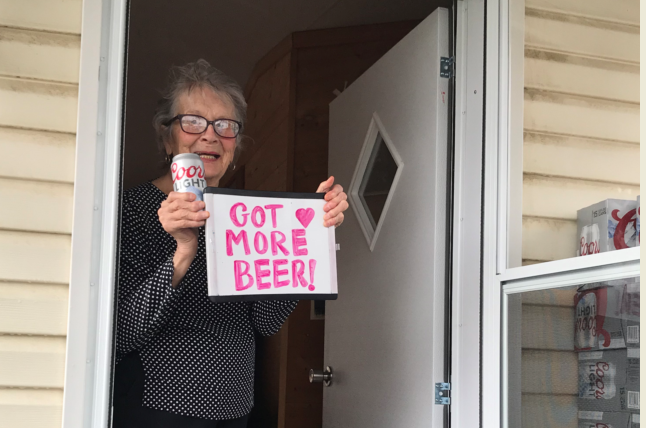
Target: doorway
{"x": 292, "y": 59}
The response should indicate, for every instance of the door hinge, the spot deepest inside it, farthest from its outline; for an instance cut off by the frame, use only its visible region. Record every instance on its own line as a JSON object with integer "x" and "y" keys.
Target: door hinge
{"x": 442, "y": 393}
{"x": 446, "y": 67}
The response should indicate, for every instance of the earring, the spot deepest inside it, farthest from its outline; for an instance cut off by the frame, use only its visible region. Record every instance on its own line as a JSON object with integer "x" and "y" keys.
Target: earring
{"x": 234, "y": 167}
{"x": 169, "y": 158}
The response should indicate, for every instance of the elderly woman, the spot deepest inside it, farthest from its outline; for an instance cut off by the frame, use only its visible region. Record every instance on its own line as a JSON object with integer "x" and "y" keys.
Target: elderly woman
{"x": 183, "y": 361}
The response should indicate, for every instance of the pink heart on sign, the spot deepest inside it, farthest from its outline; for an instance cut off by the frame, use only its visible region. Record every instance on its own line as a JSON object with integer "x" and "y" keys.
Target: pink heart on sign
{"x": 305, "y": 216}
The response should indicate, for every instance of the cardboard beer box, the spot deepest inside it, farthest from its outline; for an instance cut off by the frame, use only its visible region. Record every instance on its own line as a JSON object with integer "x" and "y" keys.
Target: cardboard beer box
{"x": 607, "y": 315}
{"x": 639, "y": 207}
{"x": 607, "y": 226}
{"x": 268, "y": 246}
{"x": 591, "y": 419}
{"x": 609, "y": 380}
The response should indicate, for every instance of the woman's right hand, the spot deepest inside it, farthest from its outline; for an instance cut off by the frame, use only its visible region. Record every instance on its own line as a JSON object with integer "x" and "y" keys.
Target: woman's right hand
{"x": 180, "y": 215}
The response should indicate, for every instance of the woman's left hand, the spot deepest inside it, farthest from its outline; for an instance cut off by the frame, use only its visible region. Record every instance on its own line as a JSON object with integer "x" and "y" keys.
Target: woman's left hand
{"x": 337, "y": 202}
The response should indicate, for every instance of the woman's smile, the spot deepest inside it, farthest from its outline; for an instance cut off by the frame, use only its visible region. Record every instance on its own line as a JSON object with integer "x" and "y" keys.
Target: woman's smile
{"x": 208, "y": 157}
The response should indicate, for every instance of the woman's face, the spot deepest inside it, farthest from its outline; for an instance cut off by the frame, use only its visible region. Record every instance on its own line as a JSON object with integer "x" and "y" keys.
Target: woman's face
{"x": 216, "y": 152}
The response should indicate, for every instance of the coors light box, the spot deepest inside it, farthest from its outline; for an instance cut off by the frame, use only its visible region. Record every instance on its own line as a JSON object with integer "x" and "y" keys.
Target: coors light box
{"x": 607, "y": 226}
{"x": 590, "y": 419}
{"x": 609, "y": 380}
{"x": 607, "y": 315}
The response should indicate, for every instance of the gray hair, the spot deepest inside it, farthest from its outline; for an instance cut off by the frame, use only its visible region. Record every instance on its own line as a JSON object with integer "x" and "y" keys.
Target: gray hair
{"x": 196, "y": 75}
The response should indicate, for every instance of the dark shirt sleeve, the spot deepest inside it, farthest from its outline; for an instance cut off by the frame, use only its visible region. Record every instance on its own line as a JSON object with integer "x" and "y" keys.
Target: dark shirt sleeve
{"x": 146, "y": 296}
{"x": 268, "y": 316}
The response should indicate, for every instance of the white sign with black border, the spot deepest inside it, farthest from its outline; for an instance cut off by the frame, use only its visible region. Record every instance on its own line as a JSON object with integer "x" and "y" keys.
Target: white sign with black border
{"x": 268, "y": 246}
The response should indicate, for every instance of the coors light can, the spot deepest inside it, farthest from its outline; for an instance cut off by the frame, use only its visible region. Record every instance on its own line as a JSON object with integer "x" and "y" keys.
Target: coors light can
{"x": 585, "y": 330}
{"x": 589, "y": 240}
{"x": 187, "y": 171}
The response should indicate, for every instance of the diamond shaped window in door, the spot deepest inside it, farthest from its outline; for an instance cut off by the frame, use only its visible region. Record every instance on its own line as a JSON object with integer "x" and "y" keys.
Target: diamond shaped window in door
{"x": 374, "y": 181}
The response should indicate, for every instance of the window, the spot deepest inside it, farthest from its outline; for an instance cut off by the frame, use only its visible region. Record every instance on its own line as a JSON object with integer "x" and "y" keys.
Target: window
{"x": 374, "y": 181}
{"x": 573, "y": 354}
{"x": 579, "y": 65}
{"x": 377, "y": 181}
{"x": 561, "y": 181}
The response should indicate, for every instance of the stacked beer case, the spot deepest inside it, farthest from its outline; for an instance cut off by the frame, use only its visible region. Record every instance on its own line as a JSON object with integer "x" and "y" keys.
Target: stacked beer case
{"x": 606, "y": 337}
{"x": 608, "y": 225}
{"x": 607, "y": 420}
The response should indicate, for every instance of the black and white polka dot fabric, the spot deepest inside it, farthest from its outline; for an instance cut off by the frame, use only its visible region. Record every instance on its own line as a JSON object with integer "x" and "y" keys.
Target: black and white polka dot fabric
{"x": 198, "y": 356}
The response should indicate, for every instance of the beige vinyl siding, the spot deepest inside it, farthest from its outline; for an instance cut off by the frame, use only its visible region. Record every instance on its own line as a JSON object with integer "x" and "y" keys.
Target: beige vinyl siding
{"x": 581, "y": 146}
{"x": 580, "y": 118}
{"x": 549, "y": 365}
{"x": 39, "y": 63}
{"x": 58, "y": 16}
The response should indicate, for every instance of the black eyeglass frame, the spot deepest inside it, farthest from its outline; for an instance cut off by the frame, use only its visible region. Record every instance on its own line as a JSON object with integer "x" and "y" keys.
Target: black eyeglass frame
{"x": 208, "y": 122}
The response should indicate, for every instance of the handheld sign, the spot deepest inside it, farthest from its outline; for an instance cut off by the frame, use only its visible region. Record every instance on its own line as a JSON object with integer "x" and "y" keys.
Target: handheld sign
{"x": 268, "y": 245}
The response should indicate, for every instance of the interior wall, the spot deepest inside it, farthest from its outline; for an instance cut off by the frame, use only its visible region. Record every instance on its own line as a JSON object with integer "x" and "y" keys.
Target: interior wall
{"x": 233, "y": 37}
{"x": 263, "y": 166}
{"x": 150, "y": 56}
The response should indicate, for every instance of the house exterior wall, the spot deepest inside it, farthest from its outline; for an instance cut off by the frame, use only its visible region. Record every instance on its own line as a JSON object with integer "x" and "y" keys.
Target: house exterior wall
{"x": 580, "y": 146}
{"x": 581, "y": 116}
{"x": 39, "y": 63}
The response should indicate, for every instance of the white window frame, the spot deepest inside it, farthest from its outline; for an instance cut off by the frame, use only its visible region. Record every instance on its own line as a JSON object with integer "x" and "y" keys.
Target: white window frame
{"x": 88, "y": 365}
{"x": 467, "y": 217}
{"x": 502, "y": 223}
{"x": 566, "y": 278}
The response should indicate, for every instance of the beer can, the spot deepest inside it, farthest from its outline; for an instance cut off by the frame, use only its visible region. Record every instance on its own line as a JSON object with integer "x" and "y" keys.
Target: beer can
{"x": 583, "y": 241}
{"x": 187, "y": 170}
{"x": 593, "y": 246}
{"x": 585, "y": 329}
{"x": 589, "y": 240}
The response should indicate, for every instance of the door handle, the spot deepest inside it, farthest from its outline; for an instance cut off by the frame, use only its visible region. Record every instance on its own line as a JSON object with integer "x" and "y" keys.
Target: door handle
{"x": 325, "y": 376}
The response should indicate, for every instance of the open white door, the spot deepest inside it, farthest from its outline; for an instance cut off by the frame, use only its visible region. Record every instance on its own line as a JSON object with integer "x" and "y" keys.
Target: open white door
{"x": 384, "y": 336}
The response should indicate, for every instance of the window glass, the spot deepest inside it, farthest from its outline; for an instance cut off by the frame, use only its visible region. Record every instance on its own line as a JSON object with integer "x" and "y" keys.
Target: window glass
{"x": 377, "y": 180}
{"x": 580, "y": 131}
{"x": 573, "y": 356}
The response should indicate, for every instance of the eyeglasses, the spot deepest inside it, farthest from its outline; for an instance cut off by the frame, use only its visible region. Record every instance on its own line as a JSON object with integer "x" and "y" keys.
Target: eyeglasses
{"x": 194, "y": 124}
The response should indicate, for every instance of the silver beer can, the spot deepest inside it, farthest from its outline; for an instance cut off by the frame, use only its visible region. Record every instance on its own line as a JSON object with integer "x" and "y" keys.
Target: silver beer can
{"x": 589, "y": 240}
{"x": 187, "y": 170}
{"x": 585, "y": 330}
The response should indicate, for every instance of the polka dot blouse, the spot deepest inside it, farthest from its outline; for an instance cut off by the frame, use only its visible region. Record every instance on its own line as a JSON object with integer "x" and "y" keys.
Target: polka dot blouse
{"x": 198, "y": 356}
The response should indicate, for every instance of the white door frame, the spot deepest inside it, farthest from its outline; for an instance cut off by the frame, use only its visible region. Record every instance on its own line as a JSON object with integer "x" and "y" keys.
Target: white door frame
{"x": 88, "y": 364}
{"x": 467, "y": 217}
{"x": 502, "y": 222}
{"x": 97, "y": 190}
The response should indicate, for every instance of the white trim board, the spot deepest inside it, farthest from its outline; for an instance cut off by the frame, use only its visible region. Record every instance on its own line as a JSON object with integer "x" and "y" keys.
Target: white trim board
{"x": 465, "y": 322}
{"x": 493, "y": 257}
{"x": 88, "y": 365}
{"x": 572, "y": 264}
{"x": 603, "y": 272}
